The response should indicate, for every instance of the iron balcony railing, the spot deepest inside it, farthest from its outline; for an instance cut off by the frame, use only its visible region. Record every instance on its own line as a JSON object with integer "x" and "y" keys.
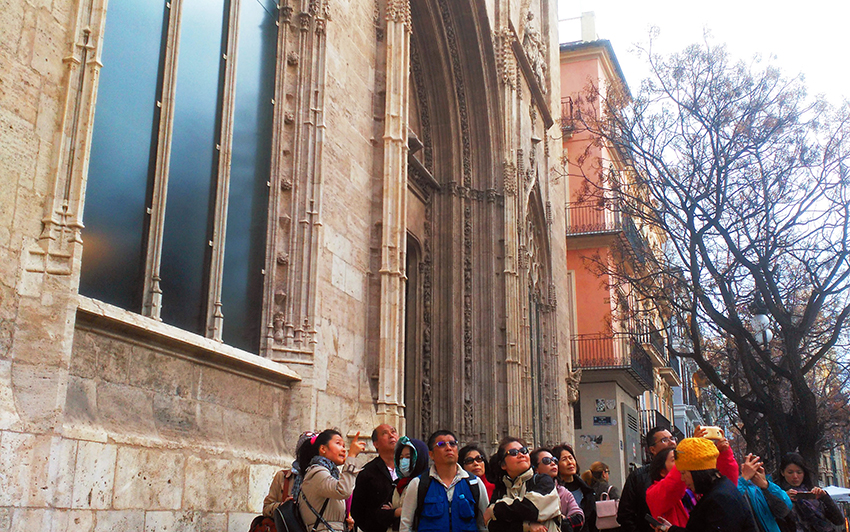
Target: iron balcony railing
{"x": 654, "y": 418}
{"x": 567, "y": 116}
{"x": 589, "y": 218}
{"x": 647, "y": 334}
{"x": 613, "y": 351}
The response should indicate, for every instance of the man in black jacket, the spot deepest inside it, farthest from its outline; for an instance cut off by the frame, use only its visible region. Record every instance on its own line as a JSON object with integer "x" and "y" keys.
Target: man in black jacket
{"x": 633, "y": 509}
{"x": 374, "y": 486}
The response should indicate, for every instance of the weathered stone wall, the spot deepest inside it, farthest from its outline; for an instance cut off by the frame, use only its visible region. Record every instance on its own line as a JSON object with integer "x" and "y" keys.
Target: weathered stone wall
{"x": 113, "y": 421}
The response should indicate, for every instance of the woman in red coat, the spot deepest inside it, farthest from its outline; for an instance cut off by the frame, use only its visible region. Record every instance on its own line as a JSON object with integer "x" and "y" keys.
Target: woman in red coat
{"x": 666, "y": 496}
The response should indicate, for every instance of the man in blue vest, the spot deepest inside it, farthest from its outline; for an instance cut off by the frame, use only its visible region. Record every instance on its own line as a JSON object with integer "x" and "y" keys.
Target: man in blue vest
{"x": 446, "y": 501}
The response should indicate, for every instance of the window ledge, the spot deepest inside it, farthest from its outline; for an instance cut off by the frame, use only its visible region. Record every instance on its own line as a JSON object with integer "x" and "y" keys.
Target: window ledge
{"x": 140, "y": 328}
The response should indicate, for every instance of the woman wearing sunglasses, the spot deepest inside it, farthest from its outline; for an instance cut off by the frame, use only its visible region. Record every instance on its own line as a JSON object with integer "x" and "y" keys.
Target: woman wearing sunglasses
{"x": 522, "y": 500}
{"x": 473, "y": 460}
{"x": 572, "y": 517}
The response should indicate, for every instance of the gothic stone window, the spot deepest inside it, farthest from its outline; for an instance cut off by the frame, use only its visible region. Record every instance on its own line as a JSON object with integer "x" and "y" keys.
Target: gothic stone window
{"x": 177, "y": 187}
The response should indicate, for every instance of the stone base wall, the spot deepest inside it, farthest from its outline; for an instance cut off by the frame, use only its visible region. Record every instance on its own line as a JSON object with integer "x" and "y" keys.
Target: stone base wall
{"x": 153, "y": 438}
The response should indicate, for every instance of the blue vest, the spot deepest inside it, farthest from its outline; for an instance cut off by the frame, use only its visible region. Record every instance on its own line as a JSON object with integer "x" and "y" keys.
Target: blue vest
{"x": 438, "y": 515}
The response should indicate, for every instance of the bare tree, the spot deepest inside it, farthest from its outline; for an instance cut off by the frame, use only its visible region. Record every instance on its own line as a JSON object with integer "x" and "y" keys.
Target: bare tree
{"x": 747, "y": 180}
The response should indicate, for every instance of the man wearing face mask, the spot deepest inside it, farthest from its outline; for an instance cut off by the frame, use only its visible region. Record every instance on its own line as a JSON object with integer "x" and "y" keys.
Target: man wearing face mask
{"x": 374, "y": 487}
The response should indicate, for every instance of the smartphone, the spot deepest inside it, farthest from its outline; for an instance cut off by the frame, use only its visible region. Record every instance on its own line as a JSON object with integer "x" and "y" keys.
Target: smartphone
{"x": 713, "y": 433}
{"x": 805, "y": 495}
{"x": 652, "y": 521}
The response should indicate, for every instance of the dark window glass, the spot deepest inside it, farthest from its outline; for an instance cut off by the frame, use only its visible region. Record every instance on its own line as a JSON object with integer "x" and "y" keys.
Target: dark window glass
{"x": 193, "y": 165}
{"x": 242, "y": 290}
{"x": 122, "y": 154}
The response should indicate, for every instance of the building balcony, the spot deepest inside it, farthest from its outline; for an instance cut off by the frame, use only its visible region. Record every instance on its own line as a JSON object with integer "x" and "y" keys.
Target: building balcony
{"x": 652, "y": 341}
{"x": 653, "y": 418}
{"x": 613, "y": 357}
{"x": 590, "y": 219}
{"x": 567, "y": 117}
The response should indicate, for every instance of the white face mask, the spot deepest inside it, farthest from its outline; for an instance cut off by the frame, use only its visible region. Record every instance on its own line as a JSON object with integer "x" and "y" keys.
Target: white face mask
{"x": 404, "y": 465}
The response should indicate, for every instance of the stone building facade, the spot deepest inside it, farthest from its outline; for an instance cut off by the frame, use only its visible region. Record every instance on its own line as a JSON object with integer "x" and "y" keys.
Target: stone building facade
{"x": 223, "y": 223}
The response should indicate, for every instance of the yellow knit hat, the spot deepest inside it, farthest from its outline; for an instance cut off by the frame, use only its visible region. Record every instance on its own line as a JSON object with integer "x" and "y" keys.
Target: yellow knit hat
{"x": 696, "y": 454}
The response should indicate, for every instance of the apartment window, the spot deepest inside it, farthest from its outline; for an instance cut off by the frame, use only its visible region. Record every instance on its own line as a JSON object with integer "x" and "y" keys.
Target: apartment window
{"x": 177, "y": 189}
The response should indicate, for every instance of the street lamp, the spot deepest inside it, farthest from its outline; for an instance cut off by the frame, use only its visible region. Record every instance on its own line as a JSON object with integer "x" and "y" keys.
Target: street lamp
{"x": 760, "y": 323}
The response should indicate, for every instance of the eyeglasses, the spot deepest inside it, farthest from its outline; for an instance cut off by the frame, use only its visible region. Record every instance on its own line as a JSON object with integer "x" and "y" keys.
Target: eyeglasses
{"x": 450, "y": 443}
{"x": 548, "y": 460}
{"x": 665, "y": 440}
{"x": 514, "y": 452}
{"x": 470, "y": 459}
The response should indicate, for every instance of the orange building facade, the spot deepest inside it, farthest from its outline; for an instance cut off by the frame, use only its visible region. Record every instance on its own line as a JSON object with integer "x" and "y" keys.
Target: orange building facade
{"x": 627, "y": 378}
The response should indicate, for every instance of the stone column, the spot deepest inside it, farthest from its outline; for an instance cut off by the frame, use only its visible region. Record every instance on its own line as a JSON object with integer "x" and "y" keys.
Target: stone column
{"x": 506, "y": 64}
{"x": 394, "y": 215}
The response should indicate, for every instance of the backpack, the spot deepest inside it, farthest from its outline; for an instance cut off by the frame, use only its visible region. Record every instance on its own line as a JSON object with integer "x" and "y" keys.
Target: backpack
{"x": 425, "y": 483}
{"x": 287, "y": 518}
{"x": 606, "y": 511}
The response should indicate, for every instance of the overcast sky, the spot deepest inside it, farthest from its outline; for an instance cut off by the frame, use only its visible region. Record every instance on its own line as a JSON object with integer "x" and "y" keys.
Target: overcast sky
{"x": 810, "y": 37}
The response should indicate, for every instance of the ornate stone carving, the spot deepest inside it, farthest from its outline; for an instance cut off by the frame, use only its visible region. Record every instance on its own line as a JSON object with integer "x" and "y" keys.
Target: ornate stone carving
{"x": 505, "y": 59}
{"x": 278, "y": 322}
{"x": 399, "y": 11}
{"x": 286, "y": 13}
{"x": 553, "y": 296}
{"x": 427, "y": 298}
{"x": 573, "y": 379}
{"x": 468, "y": 426}
{"x": 509, "y": 178}
{"x": 304, "y": 19}
{"x": 424, "y": 114}
{"x": 535, "y": 50}
{"x": 292, "y": 259}
{"x": 460, "y": 90}
{"x": 376, "y": 20}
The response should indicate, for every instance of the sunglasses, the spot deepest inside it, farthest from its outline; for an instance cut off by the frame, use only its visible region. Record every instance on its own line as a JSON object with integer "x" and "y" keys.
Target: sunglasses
{"x": 666, "y": 440}
{"x": 548, "y": 460}
{"x": 443, "y": 444}
{"x": 469, "y": 460}
{"x": 514, "y": 452}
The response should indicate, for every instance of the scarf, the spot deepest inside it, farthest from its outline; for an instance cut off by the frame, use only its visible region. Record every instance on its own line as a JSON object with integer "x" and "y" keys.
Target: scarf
{"x": 299, "y": 477}
{"x": 810, "y": 516}
{"x": 326, "y": 463}
{"x": 296, "y": 481}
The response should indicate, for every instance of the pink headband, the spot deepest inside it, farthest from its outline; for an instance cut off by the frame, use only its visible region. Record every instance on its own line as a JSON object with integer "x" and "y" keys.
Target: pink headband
{"x": 313, "y": 439}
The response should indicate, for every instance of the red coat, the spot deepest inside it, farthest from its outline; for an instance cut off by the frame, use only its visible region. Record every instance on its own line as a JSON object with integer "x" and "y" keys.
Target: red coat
{"x": 664, "y": 497}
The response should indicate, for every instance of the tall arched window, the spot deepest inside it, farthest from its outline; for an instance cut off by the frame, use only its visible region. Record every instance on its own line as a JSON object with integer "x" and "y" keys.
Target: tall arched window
{"x": 177, "y": 188}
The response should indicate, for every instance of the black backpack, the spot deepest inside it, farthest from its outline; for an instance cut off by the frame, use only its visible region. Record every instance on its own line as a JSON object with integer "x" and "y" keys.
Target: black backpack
{"x": 425, "y": 483}
{"x": 287, "y": 518}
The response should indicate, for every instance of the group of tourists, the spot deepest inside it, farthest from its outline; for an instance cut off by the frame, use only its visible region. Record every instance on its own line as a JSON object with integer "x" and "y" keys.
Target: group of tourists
{"x": 413, "y": 485}
{"x": 697, "y": 485}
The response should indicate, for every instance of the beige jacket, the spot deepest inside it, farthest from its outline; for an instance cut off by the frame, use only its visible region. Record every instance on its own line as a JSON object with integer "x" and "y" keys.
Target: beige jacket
{"x": 276, "y": 494}
{"x": 319, "y": 485}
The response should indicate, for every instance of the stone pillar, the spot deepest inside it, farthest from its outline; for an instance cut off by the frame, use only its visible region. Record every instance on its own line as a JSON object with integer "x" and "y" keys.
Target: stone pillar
{"x": 506, "y": 64}
{"x": 394, "y": 215}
